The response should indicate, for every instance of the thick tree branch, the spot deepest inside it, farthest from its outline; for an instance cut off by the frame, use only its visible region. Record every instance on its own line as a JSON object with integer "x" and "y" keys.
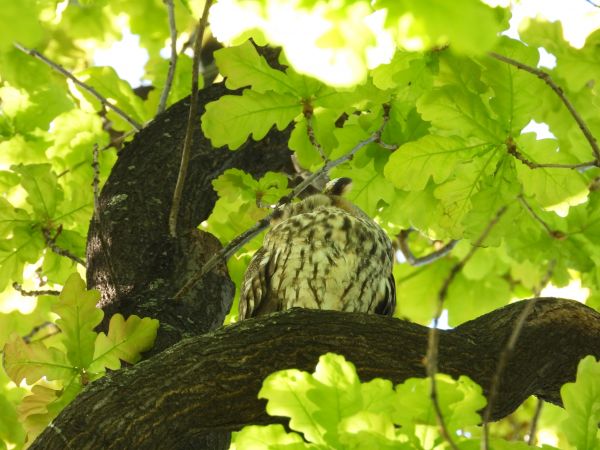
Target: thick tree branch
{"x": 210, "y": 383}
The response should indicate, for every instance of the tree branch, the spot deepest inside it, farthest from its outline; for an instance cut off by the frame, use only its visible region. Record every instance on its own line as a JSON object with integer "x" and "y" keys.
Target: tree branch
{"x": 556, "y": 234}
{"x": 51, "y": 243}
{"x": 423, "y": 260}
{"x": 511, "y": 148}
{"x": 81, "y": 84}
{"x": 173, "y": 60}
{"x": 210, "y": 383}
{"x": 558, "y": 90}
{"x": 191, "y": 124}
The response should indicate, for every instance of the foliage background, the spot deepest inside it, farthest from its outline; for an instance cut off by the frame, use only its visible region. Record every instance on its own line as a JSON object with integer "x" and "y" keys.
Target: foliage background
{"x": 455, "y": 114}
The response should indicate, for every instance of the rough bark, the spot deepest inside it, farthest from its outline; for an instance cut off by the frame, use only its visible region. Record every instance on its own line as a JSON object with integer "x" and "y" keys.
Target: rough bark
{"x": 210, "y": 383}
{"x": 190, "y": 393}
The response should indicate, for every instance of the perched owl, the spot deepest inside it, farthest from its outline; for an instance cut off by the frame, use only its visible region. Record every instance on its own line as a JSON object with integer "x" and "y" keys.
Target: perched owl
{"x": 322, "y": 253}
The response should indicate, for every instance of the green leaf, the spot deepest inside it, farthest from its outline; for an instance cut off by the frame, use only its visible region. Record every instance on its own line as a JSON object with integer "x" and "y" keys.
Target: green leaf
{"x": 19, "y": 22}
{"x": 270, "y": 437}
{"x": 33, "y": 361}
{"x": 413, "y": 164}
{"x": 369, "y": 186}
{"x": 11, "y": 429}
{"x": 468, "y": 298}
{"x": 582, "y": 402}
{"x": 78, "y": 316}
{"x": 460, "y": 112}
{"x": 242, "y": 66}
{"x": 11, "y": 217}
{"x": 25, "y": 246}
{"x": 551, "y": 187}
{"x": 460, "y": 400}
{"x": 287, "y": 393}
{"x": 43, "y": 191}
{"x": 509, "y": 83}
{"x": 126, "y": 340}
{"x": 577, "y": 67}
{"x": 106, "y": 81}
{"x": 469, "y": 26}
{"x": 232, "y": 118}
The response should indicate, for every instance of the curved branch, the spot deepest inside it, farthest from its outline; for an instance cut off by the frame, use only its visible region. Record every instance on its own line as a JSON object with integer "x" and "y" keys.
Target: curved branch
{"x": 209, "y": 384}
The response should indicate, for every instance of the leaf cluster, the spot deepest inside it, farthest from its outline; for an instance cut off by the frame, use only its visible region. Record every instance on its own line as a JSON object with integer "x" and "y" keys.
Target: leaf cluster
{"x": 332, "y": 409}
{"x": 57, "y": 365}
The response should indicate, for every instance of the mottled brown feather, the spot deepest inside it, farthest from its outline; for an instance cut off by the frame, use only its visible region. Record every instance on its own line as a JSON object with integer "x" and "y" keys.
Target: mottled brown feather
{"x": 325, "y": 253}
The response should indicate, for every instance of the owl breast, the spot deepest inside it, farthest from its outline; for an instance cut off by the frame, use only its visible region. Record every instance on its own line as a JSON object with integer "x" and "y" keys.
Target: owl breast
{"x": 325, "y": 258}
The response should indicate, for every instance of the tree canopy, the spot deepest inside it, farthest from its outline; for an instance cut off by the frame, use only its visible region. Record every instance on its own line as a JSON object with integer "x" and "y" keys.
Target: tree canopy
{"x": 433, "y": 109}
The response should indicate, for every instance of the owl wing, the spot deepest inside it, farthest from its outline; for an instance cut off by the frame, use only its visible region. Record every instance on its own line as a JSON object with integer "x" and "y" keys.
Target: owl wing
{"x": 254, "y": 296}
{"x": 387, "y": 306}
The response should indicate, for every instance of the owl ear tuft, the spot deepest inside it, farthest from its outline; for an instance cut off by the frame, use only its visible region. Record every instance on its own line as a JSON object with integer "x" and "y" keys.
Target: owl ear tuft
{"x": 338, "y": 186}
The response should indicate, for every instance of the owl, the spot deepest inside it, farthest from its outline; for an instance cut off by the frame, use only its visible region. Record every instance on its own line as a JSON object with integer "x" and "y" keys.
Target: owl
{"x": 321, "y": 253}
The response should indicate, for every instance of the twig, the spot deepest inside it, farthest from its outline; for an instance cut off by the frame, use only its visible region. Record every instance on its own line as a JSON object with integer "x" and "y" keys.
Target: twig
{"x": 505, "y": 355}
{"x": 556, "y": 234}
{"x": 594, "y": 4}
{"x": 534, "y": 422}
{"x": 423, "y": 260}
{"x": 173, "y": 60}
{"x": 511, "y": 148}
{"x": 558, "y": 90}
{"x": 28, "y": 337}
{"x": 81, "y": 84}
{"x": 51, "y": 243}
{"x": 17, "y": 287}
{"x": 307, "y": 112}
{"x": 502, "y": 362}
{"x": 96, "y": 179}
{"x": 191, "y": 124}
{"x": 225, "y": 253}
{"x": 433, "y": 340}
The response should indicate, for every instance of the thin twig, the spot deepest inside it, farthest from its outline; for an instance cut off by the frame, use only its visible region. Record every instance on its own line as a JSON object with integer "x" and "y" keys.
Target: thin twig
{"x": 433, "y": 340}
{"x": 51, "y": 243}
{"x": 423, "y": 260}
{"x": 502, "y": 362}
{"x": 173, "y": 60}
{"x": 17, "y": 287}
{"x": 511, "y": 148}
{"x": 35, "y": 330}
{"x": 191, "y": 123}
{"x": 534, "y": 422}
{"x": 81, "y": 84}
{"x": 558, "y": 90}
{"x": 96, "y": 179}
{"x": 556, "y": 234}
{"x": 505, "y": 355}
{"x": 307, "y": 111}
{"x": 225, "y": 253}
